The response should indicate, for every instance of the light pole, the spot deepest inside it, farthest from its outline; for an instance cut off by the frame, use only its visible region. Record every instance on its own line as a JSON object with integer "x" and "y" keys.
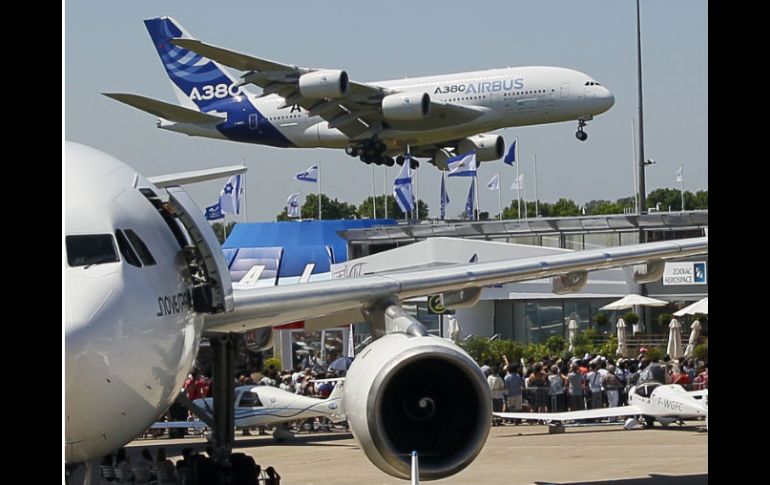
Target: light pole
{"x": 642, "y": 190}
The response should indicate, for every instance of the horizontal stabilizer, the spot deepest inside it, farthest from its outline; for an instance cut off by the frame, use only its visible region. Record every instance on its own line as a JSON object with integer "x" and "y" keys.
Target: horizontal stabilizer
{"x": 182, "y": 178}
{"x": 167, "y": 111}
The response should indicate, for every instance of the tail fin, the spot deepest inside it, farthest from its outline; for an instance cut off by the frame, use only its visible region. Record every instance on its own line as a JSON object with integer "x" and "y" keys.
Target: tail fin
{"x": 336, "y": 396}
{"x": 198, "y": 82}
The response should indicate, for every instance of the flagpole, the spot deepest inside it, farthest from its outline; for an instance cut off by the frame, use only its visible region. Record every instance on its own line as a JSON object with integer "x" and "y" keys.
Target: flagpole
{"x": 416, "y": 215}
{"x": 537, "y": 205}
{"x": 476, "y": 184}
{"x": 633, "y": 165}
{"x": 526, "y": 216}
{"x": 385, "y": 189}
{"x": 518, "y": 189}
{"x": 681, "y": 184}
{"x": 245, "y": 205}
{"x": 374, "y": 197}
{"x": 500, "y": 193}
{"x": 318, "y": 186}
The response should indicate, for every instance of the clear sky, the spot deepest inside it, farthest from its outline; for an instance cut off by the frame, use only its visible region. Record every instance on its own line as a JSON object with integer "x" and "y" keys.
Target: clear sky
{"x": 107, "y": 49}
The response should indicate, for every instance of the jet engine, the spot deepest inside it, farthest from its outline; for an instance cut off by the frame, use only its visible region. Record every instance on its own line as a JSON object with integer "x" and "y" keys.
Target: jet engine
{"x": 406, "y": 106}
{"x": 488, "y": 147}
{"x": 329, "y": 83}
{"x": 417, "y": 393}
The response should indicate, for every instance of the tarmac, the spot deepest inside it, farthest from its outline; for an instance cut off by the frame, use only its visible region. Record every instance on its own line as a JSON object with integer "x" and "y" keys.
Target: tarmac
{"x": 523, "y": 454}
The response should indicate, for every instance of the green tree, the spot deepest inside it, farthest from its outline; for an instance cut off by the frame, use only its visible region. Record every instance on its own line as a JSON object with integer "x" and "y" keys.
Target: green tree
{"x": 364, "y": 210}
{"x": 330, "y": 209}
{"x": 599, "y": 207}
{"x": 565, "y": 208}
{"x": 217, "y": 227}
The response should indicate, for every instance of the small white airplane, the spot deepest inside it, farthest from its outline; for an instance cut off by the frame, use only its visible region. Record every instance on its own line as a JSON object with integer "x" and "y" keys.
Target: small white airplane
{"x": 145, "y": 278}
{"x": 434, "y": 116}
{"x": 268, "y": 406}
{"x": 653, "y": 401}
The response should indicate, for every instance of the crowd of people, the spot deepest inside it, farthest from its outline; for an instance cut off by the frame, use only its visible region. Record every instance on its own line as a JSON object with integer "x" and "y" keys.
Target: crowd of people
{"x": 554, "y": 385}
{"x": 192, "y": 468}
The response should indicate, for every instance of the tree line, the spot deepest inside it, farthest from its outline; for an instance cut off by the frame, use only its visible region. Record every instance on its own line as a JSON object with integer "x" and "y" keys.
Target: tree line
{"x": 661, "y": 199}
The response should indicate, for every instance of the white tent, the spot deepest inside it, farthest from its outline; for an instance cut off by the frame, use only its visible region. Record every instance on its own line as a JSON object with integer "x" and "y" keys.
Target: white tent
{"x": 621, "y": 326}
{"x": 573, "y": 330}
{"x": 695, "y": 331}
{"x": 674, "y": 348}
{"x": 633, "y": 300}
{"x": 700, "y": 306}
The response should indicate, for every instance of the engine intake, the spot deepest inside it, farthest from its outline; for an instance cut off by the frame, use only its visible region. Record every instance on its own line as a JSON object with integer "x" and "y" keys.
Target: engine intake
{"x": 330, "y": 83}
{"x": 423, "y": 394}
{"x": 406, "y": 106}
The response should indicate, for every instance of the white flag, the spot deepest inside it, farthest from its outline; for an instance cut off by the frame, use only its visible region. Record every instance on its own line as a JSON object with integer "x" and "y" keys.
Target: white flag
{"x": 518, "y": 183}
{"x": 680, "y": 175}
{"x": 494, "y": 183}
{"x": 230, "y": 195}
{"x": 292, "y": 206}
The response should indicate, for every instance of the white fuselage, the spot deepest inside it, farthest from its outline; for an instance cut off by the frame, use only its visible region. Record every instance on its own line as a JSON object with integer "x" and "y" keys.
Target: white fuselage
{"x": 666, "y": 400}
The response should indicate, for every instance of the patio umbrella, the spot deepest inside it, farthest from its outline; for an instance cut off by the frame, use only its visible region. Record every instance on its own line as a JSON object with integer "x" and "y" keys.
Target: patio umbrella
{"x": 633, "y": 300}
{"x": 573, "y": 331}
{"x": 341, "y": 365}
{"x": 454, "y": 329}
{"x": 695, "y": 331}
{"x": 700, "y": 306}
{"x": 674, "y": 348}
{"x": 621, "y": 326}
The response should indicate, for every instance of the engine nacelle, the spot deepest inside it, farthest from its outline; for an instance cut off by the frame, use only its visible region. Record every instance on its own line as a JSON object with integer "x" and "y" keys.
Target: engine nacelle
{"x": 405, "y": 393}
{"x": 406, "y": 106}
{"x": 329, "y": 83}
{"x": 488, "y": 147}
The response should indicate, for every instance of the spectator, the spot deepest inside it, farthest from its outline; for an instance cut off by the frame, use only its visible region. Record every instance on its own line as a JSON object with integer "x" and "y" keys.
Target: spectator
{"x": 575, "y": 384}
{"x": 514, "y": 384}
{"x": 273, "y": 478}
{"x": 497, "y": 386}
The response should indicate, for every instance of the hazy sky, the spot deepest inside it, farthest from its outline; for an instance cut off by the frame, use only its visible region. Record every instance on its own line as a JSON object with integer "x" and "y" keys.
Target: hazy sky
{"x": 108, "y": 49}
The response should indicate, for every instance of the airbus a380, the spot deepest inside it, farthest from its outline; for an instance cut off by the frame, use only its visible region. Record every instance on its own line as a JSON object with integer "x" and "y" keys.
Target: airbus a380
{"x": 145, "y": 278}
{"x": 433, "y": 116}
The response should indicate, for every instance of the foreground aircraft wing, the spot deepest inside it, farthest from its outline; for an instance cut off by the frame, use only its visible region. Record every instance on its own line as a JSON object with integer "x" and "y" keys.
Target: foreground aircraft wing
{"x": 574, "y": 415}
{"x": 196, "y": 176}
{"x": 356, "y": 113}
{"x": 344, "y": 300}
{"x": 167, "y": 111}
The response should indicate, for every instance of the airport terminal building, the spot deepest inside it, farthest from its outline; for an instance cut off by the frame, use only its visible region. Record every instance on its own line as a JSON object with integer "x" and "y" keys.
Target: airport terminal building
{"x": 261, "y": 254}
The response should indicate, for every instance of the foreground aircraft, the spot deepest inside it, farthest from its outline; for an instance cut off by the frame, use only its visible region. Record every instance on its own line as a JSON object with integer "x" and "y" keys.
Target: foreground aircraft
{"x": 268, "y": 406}
{"x": 145, "y": 278}
{"x": 434, "y": 116}
{"x": 653, "y": 401}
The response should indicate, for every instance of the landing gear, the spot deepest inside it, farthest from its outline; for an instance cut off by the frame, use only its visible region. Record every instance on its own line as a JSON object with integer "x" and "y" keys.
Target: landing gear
{"x": 580, "y": 134}
{"x": 351, "y": 150}
{"x": 649, "y": 422}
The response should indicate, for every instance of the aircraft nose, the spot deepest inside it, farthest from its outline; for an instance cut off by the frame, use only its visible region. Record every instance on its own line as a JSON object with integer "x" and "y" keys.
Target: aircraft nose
{"x": 606, "y": 99}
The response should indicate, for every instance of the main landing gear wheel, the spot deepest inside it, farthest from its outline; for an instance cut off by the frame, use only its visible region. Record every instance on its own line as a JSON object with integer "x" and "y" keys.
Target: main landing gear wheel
{"x": 400, "y": 160}
{"x": 649, "y": 422}
{"x": 414, "y": 164}
{"x": 351, "y": 150}
{"x": 581, "y": 135}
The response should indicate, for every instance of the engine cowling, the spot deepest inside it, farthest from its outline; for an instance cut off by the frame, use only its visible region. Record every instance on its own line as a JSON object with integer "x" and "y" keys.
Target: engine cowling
{"x": 406, "y": 106}
{"x": 330, "y": 83}
{"x": 488, "y": 147}
{"x": 405, "y": 393}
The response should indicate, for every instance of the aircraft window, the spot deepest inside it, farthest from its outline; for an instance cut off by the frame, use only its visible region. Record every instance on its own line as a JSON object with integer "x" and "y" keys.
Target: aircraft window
{"x": 88, "y": 249}
{"x": 645, "y": 390}
{"x": 140, "y": 247}
{"x": 125, "y": 249}
{"x": 249, "y": 399}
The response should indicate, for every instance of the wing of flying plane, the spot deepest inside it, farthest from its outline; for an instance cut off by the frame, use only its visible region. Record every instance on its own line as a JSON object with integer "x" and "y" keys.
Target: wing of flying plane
{"x": 167, "y": 111}
{"x": 574, "y": 415}
{"x": 352, "y": 299}
{"x": 351, "y": 107}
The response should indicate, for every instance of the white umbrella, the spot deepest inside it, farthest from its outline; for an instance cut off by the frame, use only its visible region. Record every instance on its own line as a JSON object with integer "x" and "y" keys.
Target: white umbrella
{"x": 695, "y": 331}
{"x": 454, "y": 329}
{"x": 621, "y": 326}
{"x": 674, "y": 348}
{"x": 632, "y": 300}
{"x": 700, "y": 306}
{"x": 573, "y": 330}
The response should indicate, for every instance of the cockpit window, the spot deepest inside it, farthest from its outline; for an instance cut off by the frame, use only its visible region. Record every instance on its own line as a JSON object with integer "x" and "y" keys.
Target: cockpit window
{"x": 645, "y": 390}
{"x": 88, "y": 249}
{"x": 125, "y": 249}
{"x": 141, "y": 248}
{"x": 249, "y": 399}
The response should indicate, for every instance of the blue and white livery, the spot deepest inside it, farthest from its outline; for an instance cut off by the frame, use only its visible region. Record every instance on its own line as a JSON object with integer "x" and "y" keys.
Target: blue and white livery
{"x": 435, "y": 116}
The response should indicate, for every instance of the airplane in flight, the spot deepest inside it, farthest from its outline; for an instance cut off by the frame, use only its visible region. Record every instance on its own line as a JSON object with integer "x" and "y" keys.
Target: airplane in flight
{"x": 268, "y": 406}
{"x": 145, "y": 279}
{"x": 653, "y": 401}
{"x": 434, "y": 116}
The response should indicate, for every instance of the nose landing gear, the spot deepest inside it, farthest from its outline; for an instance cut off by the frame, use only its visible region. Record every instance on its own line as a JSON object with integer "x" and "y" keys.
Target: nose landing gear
{"x": 580, "y": 134}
